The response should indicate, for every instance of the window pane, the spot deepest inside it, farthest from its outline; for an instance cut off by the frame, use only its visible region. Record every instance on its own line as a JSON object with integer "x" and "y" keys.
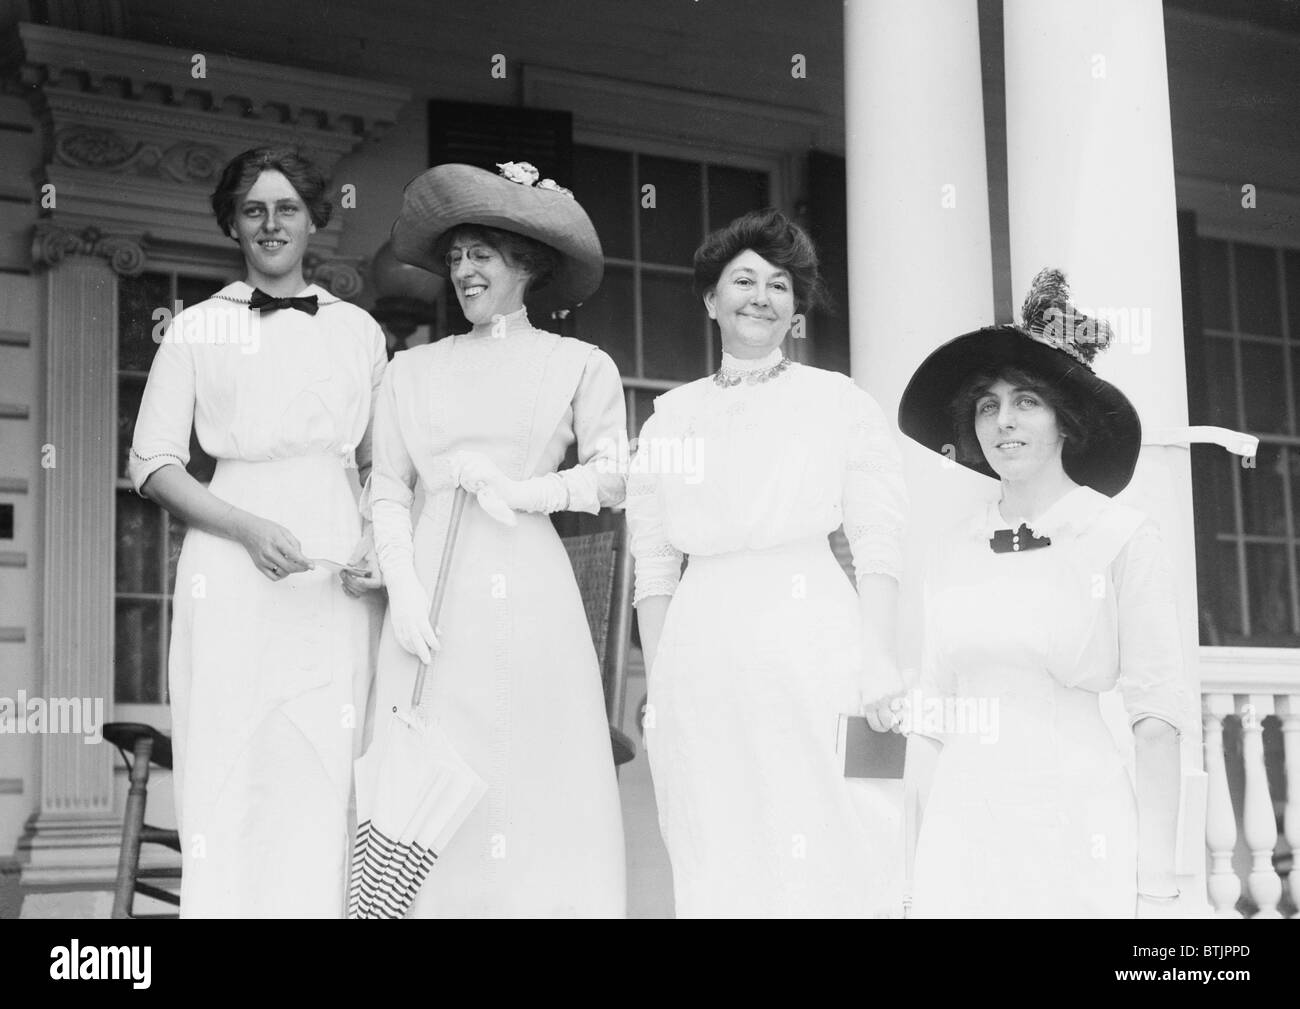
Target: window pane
{"x": 1292, "y": 266}
{"x": 1218, "y": 587}
{"x": 1212, "y": 472}
{"x": 192, "y": 290}
{"x": 671, "y": 230}
{"x": 644, "y": 407}
{"x": 734, "y": 191}
{"x": 1221, "y": 376}
{"x": 1258, "y": 309}
{"x": 138, "y": 297}
{"x": 672, "y": 328}
{"x": 602, "y": 183}
{"x": 176, "y": 530}
{"x": 1263, "y": 387}
{"x": 130, "y": 389}
{"x": 1262, "y": 490}
{"x": 1213, "y": 257}
{"x": 1269, "y": 584}
{"x": 138, "y": 670}
{"x": 139, "y": 544}
{"x": 608, "y": 320}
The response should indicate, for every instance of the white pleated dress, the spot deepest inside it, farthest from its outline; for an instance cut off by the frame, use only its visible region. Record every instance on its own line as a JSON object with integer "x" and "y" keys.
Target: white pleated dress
{"x": 761, "y": 648}
{"x": 516, "y": 686}
{"x": 268, "y": 680}
{"x": 1031, "y": 812}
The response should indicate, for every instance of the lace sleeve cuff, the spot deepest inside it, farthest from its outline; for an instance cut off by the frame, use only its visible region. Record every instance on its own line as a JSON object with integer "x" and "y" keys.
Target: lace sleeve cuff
{"x": 657, "y": 572}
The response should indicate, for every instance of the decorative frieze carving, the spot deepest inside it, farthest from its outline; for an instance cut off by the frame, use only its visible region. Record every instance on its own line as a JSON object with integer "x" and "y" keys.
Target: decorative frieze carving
{"x": 107, "y": 150}
{"x": 139, "y": 133}
{"x": 51, "y": 242}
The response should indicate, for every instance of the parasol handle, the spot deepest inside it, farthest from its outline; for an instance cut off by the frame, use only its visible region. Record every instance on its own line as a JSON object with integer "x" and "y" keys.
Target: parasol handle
{"x": 440, "y": 587}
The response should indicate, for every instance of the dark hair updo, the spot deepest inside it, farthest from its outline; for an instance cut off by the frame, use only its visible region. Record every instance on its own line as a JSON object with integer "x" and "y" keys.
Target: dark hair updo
{"x": 537, "y": 259}
{"x": 776, "y": 238}
{"x": 241, "y": 174}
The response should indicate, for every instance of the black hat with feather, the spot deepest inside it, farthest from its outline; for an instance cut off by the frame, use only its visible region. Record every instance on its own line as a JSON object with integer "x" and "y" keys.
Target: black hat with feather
{"x": 1054, "y": 342}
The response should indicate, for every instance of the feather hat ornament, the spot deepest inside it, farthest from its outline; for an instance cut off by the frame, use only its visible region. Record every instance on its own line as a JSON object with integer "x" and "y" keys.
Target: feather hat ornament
{"x": 1054, "y": 342}
{"x": 1048, "y": 315}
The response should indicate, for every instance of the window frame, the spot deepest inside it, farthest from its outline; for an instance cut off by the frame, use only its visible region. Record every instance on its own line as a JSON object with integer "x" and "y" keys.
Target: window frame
{"x": 202, "y": 264}
{"x": 1280, "y": 244}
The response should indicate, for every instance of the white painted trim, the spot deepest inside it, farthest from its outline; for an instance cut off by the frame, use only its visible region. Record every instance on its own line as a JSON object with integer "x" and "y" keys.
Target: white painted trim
{"x": 657, "y": 114}
{"x": 1242, "y": 670}
{"x": 101, "y": 56}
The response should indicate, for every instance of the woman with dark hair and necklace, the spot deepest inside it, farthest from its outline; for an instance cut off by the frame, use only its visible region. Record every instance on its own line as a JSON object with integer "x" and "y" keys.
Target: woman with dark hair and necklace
{"x": 271, "y": 651}
{"x": 754, "y": 653}
{"x": 1048, "y": 596}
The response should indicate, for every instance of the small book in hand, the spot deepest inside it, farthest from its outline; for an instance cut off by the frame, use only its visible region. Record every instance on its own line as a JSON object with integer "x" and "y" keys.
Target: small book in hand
{"x": 867, "y": 753}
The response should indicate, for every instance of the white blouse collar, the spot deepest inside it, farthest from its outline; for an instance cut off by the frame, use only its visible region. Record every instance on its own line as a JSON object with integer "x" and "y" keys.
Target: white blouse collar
{"x": 1071, "y": 513}
{"x": 743, "y": 365}
{"x": 504, "y": 325}
{"x": 241, "y": 290}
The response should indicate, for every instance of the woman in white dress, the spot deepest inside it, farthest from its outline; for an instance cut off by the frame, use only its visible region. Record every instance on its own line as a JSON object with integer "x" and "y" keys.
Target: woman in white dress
{"x": 1045, "y": 597}
{"x": 515, "y": 683}
{"x": 763, "y": 643}
{"x": 270, "y": 657}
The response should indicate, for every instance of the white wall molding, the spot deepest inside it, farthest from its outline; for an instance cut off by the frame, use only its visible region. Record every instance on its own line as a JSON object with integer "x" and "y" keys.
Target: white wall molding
{"x": 608, "y": 109}
{"x": 1238, "y": 670}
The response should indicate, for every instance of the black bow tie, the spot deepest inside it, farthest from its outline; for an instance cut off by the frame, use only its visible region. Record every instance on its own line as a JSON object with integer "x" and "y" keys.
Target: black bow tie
{"x": 260, "y": 301}
{"x": 1006, "y": 541}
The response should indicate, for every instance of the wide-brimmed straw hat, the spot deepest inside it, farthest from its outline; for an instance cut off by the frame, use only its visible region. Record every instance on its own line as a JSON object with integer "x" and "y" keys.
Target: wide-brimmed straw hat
{"x": 1055, "y": 342}
{"x": 447, "y": 196}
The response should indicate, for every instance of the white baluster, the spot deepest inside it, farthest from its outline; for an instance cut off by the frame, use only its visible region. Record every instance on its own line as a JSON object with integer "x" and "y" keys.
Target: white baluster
{"x": 1259, "y": 825}
{"x": 1288, "y": 709}
{"x": 1220, "y": 822}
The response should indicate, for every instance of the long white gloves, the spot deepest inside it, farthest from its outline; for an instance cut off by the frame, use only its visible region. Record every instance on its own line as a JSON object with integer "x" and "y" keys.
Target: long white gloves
{"x": 408, "y": 603}
{"x": 481, "y": 476}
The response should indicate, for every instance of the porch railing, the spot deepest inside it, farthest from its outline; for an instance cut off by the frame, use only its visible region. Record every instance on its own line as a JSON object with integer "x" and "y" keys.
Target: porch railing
{"x": 1250, "y": 706}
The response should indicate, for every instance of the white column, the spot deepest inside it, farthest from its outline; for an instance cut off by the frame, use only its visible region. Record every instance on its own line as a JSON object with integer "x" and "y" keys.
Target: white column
{"x": 74, "y": 838}
{"x": 1091, "y": 186}
{"x": 920, "y": 268}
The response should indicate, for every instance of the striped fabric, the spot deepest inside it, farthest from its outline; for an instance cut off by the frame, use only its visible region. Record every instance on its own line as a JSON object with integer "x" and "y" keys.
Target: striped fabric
{"x": 386, "y": 874}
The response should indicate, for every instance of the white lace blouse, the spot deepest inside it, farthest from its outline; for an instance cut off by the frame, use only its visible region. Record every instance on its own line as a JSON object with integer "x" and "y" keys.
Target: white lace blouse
{"x": 756, "y": 465}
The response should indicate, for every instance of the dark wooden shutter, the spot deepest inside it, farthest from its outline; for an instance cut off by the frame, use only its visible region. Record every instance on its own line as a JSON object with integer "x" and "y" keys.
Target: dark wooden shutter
{"x": 827, "y": 219}
{"x": 1208, "y": 472}
{"x": 487, "y": 135}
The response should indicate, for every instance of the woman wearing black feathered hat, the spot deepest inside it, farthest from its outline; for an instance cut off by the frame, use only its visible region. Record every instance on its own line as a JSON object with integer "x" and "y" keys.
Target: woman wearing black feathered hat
{"x": 1046, "y": 597}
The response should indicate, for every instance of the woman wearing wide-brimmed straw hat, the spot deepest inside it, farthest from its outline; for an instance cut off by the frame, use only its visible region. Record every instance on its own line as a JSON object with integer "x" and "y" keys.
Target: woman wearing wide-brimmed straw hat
{"x": 1047, "y": 596}
{"x": 755, "y": 652}
{"x": 515, "y": 685}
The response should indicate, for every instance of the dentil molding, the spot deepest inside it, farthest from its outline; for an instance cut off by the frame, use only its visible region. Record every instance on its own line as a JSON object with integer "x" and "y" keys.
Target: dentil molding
{"x": 137, "y": 135}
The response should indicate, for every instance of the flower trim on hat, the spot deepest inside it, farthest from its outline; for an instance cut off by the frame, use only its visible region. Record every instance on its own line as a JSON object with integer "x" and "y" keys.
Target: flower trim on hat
{"x": 1050, "y": 318}
{"x": 524, "y": 174}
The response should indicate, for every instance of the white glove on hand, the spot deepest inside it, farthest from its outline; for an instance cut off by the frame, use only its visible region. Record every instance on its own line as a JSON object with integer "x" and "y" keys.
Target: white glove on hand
{"x": 481, "y": 476}
{"x": 408, "y": 608}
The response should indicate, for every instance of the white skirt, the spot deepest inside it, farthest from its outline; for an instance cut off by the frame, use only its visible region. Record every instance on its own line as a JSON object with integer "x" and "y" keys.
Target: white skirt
{"x": 760, "y": 654}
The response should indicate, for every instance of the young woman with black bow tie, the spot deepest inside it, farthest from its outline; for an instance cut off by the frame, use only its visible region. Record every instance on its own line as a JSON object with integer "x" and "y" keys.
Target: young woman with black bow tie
{"x": 270, "y": 660}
